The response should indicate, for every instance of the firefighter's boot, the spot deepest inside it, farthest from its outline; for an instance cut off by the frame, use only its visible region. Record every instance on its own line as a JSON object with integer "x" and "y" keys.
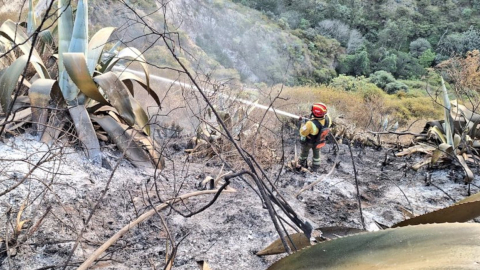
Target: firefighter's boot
{"x": 315, "y": 168}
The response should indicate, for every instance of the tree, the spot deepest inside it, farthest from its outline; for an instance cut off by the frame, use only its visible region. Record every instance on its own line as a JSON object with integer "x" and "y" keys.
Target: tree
{"x": 388, "y": 63}
{"x": 419, "y": 46}
{"x": 427, "y": 58}
{"x": 408, "y": 66}
{"x": 357, "y": 64}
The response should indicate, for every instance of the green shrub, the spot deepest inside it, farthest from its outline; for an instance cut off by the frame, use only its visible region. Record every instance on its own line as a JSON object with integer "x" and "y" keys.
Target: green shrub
{"x": 381, "y": 78}
{"x": 324, "y": 75}
{"x": 356, "y": 84}
{"x": 427, "y": 58}
{"x": 394, "y": 87}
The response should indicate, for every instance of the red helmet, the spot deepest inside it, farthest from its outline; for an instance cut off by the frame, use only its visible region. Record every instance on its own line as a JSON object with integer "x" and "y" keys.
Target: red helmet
{"x": 319, "y": 110}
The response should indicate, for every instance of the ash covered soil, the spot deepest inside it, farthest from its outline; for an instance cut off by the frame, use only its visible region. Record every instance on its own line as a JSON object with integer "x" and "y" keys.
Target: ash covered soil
{"x": 227, "y": 235}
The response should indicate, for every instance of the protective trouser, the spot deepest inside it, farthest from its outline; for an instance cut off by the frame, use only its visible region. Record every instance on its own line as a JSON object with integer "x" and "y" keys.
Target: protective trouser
{"x": 304, "y": 154}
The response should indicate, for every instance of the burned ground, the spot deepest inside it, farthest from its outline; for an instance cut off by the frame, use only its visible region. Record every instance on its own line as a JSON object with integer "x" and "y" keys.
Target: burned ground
{"x": 228, "y": 234}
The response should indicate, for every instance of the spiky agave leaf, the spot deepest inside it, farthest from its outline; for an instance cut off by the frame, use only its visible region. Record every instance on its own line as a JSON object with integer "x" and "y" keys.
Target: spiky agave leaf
{"x": 128, "y": 77}
{"x": 472, "y": 198}
{"x": 15, "y": 34}
{"x": 117, "y": 95}
{"x": 300, "y": 240}
{"x": 65, "y": 29}
{"x": 79, "y": 42}
{"x": 295, "y": 241}
{"x": 123, "y": 141}
{"x": 31, "y": 24}
{"x": 95, "y": 47}
{"x": 448, "y": 117}
{"x": 86, "y": 132}
{"x": 468, "y": 173}
{"x": 132, "y": 54}
{"x": 438, "y": 133}
{"x": 426, "y": 247}
{"x": 442, "y": 149}
{"x": 455, "y": 213}
{"x": 46, "y": 38}
{"x": 141, "y": 118}
{"x": 9, "y": 79}
{"x": 76, "y": 67}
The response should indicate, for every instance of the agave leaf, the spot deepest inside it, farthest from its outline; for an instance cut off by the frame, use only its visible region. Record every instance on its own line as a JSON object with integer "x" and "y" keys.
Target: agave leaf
{"x": 76, "y": 67}
{"x": 468, "y": 141}
{"x": 427, "y": 247}
{"x": 31, "y": 24}
{"x": 46, "y": 38}
{"x": 448, "y": 117}
{"x": 17, "y": 119}
{"x": 442, "y": 149}
{"x": 439, "y": 134}
{"x": 422, "y": 148}
{"x": 79, "y": 40}
{"x": 86, "y": 132}
{"x": 464, "y": 111}
{"x": 40, "y": 96}
{"x": 95, "y": 47}
{"x": 128, "y": 76}
{"x": 473, "y": 132}
{"x": 456, "y": 140}
{"x": 299, "y": 241}
{"x": 468, "y": 173}
{"x": 78, "y": 44}
{"x": 131, "y": 53}
{"x": 15, "y": 34}
{"x": 455, "y": 213}
{"x": 65, "y": 29}
{"x": 123, "y": 141}
{"x": 335, "y": 232}
{"x": 141, "y": 118}
{"x": 9, "y": 80}
{"x": 149, "y": 145}
{"x": 117, "y": 94}
{"x": 21, "y": 102}
{"x": 472, "y": 198}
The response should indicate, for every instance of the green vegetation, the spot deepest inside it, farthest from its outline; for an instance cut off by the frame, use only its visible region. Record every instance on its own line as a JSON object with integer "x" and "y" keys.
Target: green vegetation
{"x": 401, "y": 37}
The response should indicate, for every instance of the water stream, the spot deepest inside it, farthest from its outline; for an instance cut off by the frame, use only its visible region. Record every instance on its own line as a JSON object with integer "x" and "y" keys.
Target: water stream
{"x": 186, "y": 85}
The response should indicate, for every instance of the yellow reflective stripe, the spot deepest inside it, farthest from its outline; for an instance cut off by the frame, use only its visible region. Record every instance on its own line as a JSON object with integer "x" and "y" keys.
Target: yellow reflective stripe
{"x": 314, "y": 128}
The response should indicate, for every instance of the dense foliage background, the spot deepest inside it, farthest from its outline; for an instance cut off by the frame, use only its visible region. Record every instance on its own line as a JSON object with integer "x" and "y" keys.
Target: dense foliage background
{"x": 402, "y": 37}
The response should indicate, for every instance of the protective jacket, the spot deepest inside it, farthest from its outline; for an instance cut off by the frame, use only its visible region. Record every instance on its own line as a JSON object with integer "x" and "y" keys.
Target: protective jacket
{"x": 315, "y": 131}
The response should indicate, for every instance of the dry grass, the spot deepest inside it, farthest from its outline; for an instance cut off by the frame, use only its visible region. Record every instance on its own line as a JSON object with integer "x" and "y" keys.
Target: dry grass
{"x": 365, "y": 109}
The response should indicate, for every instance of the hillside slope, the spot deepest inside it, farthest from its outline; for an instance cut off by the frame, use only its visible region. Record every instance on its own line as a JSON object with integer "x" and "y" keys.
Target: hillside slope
{"x": 244, "y": 39}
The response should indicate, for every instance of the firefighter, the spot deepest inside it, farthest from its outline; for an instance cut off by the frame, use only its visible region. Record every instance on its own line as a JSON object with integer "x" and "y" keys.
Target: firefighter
{"x": 313, "y": 134}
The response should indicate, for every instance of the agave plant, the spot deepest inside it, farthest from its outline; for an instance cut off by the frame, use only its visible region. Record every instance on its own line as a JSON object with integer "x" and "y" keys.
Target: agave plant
{"x": 208, "y": 137}
{"x": 423, "y": 242}
{"x": 432, "y": 246}
{"x": 455, "y": 136}
{"x": 86, "y": 87}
